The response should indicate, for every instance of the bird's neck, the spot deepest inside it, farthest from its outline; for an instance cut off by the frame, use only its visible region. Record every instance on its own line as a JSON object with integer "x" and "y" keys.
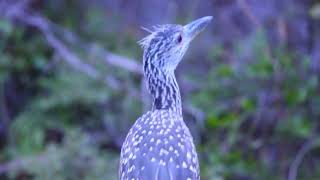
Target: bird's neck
{"x": 164, "y": 89}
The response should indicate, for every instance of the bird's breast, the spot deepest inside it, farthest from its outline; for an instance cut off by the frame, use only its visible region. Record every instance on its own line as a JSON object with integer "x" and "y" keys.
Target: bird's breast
{"x": 159, "y": 146}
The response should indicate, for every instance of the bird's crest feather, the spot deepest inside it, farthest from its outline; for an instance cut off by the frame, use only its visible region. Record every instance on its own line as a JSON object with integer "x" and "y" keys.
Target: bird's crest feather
{"x": 144, "y": 42}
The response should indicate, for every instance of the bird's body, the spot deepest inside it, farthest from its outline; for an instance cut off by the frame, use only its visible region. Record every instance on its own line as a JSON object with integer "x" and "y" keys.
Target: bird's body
{"x": 162, "y": 144}
{"x": 159, "y": 145}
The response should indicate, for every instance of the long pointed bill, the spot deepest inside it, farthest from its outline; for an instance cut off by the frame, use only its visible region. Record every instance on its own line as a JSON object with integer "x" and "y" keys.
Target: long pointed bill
{"x": 195, "y": 27}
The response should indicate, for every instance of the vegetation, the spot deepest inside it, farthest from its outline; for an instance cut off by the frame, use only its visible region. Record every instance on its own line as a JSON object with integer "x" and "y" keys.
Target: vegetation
{"x": 71, "y": 87}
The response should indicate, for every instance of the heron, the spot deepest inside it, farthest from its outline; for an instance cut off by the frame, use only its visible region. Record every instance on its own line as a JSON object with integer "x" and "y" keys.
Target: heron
{"x": 159, "y": 146}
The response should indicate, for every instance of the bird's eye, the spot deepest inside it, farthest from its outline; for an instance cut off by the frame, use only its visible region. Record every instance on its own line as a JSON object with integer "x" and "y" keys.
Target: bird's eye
{"x": 179, "y": 39}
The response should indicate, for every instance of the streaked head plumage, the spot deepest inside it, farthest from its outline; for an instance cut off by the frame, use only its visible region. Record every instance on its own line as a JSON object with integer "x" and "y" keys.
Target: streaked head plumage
{"x": 165, "y": 46}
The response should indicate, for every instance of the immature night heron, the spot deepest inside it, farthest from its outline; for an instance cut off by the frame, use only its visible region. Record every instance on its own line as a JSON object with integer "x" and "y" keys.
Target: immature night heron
{"x": 159, "y": 146}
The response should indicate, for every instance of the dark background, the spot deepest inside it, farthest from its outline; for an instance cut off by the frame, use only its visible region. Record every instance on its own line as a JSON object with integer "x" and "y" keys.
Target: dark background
{"x": 71, "y": 86}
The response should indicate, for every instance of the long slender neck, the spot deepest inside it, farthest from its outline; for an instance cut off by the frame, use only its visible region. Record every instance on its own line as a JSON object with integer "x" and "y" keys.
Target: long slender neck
{"x": 164, "y": 89}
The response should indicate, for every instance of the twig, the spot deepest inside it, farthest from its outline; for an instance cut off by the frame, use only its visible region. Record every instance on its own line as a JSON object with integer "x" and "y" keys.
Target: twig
{"x": 245, "y": 8}
{"x": 123, "y": 62}
{"x": 21, "y": 163}
{"x": 9, "y": 9}
{"x": 109, "y": 58}
{"x": 307, "y": 147}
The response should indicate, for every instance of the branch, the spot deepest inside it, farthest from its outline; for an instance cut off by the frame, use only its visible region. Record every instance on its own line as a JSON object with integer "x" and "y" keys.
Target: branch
{"x": 246, "y": 10}
{"x": 123, "y": 62}
{"x": 43, "y": 26}
{"x": 21, "y": 163}
{"x": 307, "y": 147}
{"x": 17, "y": 12}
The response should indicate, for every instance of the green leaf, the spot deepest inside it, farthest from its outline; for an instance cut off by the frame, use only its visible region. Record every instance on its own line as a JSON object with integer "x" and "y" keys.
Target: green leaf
{"x": 247, "y": 104}
{"x": 262, "y": 69}
{"x": 296, "y": 125}
{"x": 222, "y": 120}
{"x": 224, "y": 70}
{"x": 296, "y": 96}
{"x": 5, "y": 27}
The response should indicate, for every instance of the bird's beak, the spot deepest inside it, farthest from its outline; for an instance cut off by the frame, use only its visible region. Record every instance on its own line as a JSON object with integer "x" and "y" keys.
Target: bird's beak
{"x": 195, "y": 27}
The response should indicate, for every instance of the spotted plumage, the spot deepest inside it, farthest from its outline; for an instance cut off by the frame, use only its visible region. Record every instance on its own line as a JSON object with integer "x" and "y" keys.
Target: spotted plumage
{"x": 159, "y": 145}
{"x": 164, "y": 148}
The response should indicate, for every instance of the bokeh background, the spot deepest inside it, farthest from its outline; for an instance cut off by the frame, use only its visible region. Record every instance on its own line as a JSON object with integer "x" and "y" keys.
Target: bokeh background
{"x": 71, "y": 86}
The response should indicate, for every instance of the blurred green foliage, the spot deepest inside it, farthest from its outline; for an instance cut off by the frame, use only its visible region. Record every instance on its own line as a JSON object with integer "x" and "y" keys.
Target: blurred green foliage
{"x": 257, "y": 110}
{"x": 76, "y": 157}
{"x": 230, "y": 96}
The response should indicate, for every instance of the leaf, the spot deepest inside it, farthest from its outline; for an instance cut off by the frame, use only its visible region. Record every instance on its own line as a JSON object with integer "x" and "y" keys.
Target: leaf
{"x": 247, "y": 104}
{"x": 296, "y": 125}
{"x": 224, "y": 70}
{"x": 296, "y": 96}
{"x": 5, "y": 27}
{"x": 222, "y": 120}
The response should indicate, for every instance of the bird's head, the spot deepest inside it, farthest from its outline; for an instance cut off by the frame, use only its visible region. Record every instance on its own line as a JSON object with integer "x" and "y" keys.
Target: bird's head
{"x": 166, "y": 45}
